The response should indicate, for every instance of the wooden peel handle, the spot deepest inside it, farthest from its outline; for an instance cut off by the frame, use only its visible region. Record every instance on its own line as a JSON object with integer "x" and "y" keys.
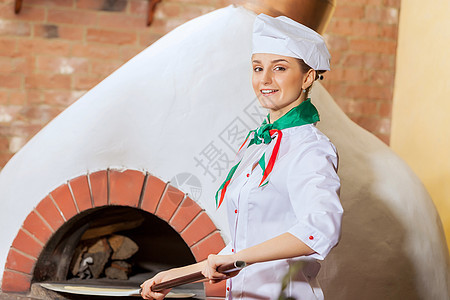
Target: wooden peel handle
{"x": 225, "y": 269}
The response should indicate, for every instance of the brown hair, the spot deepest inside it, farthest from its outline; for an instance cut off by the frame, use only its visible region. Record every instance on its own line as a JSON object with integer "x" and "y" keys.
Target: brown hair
{"x": 305, "y": 68}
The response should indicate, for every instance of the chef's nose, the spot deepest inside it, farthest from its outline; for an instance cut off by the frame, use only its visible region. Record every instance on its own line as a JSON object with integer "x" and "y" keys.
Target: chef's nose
{"x": 267, "y": 77}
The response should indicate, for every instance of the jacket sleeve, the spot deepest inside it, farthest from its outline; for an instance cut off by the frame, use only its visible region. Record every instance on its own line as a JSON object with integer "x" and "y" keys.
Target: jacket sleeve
{"x": 313, "y": 187}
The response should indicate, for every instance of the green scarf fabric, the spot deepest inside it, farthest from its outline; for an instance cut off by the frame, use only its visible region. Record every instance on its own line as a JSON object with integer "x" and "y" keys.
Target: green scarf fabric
{"x": 305, "y": 113}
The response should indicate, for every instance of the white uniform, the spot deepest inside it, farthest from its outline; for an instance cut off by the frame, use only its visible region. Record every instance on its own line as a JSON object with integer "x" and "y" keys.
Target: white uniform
{"x": 302, "y": 198}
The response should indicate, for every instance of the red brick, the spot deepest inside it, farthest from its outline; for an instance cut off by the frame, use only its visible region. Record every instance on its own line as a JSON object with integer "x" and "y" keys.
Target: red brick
{"x": 349, "y": 11}
{"x": 64, "y": 200}
{"x": 169, "y": 203}
{"x": 361, "y": 107}
{"x": 4, "y": 158}
{"x": 28, "y": 13}
{"x": 392, "y": 3}
{"x": 125, "y": 187}
{"x": 86, "y": 82}
{"x": 147, "y": 38}
{"x": 338, "y": 43}
{"x": 48, "y": 81}
{"x": 105, "y": 68}
{"x": 117, "y": 5}
{"x": 211, "y": 245}
{"x": 110, "y": 36}
{"x": 373, "y": 46}
{"x": 389, "y": 31}
{"x": 15, "y": 282}
{"x": 74, "y": 17}
{"x": 40, "y": 114}
{"x": 63, "y": 65}
{"x": 381, "y": 14}
{"x": 4, "y": 97}
{"x": 187, "y": 211}
{"x": 139, "y": 7}
{"x": 64, "y": 98}
{"x": 169, "y": 10}
{"x": 17, "y": 97}
{"x": 59, "y": 31}
{"x": 90, "y": 4}
{"x": 385, "y": 138}
{"x": 27, "y": 244}
{"x": 121, "y": 21}
{"x": 127, "y": 53}
{"x": 10, "y": 113}
{"x": 99, "y": 188}
{"x": 385, "y": 110}
{"x": 23, "y": 65}
{"x": 95, "y": 51}
{"x": 163, "y": 26}
{"x": 19, "y": 262}
{"x": 215, "y": 289}
{"x": 47, "y": 47}
{"x": 11, "y": 81}
{"x": 61, "y": 3}
{"x": 198, "y": 229}
{"x": 47, "y": 209}
{"x": 154, "y": 189}
{"x": 4, "y": 144}
{"x": 384, "y": 127}
{"x": 369, "y": 123}
{"x": 7, "y": 47}
{"x": 11, "y": 28}
{"x": 383, "y": 78}
{"x": 34, "y": 224}
{"x": 380, "y": 62}
{"x": 81, "y": 192}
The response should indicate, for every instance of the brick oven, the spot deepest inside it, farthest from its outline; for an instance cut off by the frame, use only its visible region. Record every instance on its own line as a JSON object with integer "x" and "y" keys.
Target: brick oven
{"x": 44, "y": 246}
{"x": 143, "y": 144}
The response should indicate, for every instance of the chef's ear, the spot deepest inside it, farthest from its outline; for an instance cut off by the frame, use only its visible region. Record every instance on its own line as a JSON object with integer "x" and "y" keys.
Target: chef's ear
{"x": 309, "y": 78}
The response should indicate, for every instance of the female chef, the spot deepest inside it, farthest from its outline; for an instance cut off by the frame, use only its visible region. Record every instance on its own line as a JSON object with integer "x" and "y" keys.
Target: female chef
{"x": 283, "y": 193}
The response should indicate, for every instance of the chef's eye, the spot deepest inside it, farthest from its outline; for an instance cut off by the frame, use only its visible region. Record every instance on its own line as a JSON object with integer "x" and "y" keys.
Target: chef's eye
{"x": 280, "y": 68}
{"x": 257, "y": 69}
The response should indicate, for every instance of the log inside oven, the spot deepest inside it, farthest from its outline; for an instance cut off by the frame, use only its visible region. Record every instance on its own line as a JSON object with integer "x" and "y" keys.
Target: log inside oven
{"x": 160, "y": 247}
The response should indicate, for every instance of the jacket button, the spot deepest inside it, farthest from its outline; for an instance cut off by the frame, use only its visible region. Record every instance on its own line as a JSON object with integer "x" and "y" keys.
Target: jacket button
{"x": 235, "y": 211}
{"x": 311, "y": 237}
{"x": 228, "y": 288}
{"x": 232, "y": 250}
{"x": 248, "y": 175}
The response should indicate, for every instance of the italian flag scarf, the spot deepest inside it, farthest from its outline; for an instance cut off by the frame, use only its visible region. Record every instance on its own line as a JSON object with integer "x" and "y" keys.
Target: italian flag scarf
{"x": 303, "y": 114}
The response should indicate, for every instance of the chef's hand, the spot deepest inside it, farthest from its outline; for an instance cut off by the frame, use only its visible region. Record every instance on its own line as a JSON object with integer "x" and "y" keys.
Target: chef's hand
{"x": 215, "y": 261}
{"x": 146, "y": 291}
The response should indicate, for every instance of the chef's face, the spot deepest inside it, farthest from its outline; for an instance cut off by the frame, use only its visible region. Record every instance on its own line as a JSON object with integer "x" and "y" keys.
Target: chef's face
{"x": 278, "y": 82}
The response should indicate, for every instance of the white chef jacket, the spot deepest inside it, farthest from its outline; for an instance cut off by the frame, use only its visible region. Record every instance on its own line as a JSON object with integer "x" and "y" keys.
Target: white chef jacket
{"x": 302, "y": 198}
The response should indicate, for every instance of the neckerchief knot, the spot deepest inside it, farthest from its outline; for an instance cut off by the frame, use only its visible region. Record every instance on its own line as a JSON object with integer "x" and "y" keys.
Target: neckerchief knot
{"x": 303, "y": 114}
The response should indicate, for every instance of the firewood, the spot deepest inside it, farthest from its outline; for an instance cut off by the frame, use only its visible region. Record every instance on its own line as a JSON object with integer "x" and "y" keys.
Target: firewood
{"x": 109, "y": 229}
{"x": 123, "y": 247}
{"x": 100, "y": 253}
{"x": 118, "y": 270}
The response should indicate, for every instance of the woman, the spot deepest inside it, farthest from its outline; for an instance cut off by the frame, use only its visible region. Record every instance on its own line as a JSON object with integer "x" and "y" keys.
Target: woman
{"x": 282, "y": 194}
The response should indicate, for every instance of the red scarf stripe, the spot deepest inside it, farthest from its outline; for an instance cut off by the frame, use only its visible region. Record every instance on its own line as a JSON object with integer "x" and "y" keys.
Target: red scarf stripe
{"x": 274, "y": 155}
{"x": 222, "y": 193}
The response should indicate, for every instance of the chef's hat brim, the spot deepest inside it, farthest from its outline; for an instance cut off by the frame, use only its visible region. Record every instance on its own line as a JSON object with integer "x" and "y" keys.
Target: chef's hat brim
{"x": 283, "y": 36}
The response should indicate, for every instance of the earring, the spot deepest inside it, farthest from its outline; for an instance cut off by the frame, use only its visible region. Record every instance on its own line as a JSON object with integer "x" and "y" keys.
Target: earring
{"x": 304, "y": 90}
{"x": 320, "y": 77}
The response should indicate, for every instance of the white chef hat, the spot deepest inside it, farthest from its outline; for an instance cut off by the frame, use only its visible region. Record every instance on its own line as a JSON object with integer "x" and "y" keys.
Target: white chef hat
{"x": 284, "y": 36}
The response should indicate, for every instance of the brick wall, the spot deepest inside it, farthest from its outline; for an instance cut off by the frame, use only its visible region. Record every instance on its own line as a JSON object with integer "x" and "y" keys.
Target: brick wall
{"x": 56, "y": 50}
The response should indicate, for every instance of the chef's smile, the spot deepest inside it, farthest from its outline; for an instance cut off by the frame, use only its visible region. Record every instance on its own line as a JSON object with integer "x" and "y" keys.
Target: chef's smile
{"x": 277, "y": 81}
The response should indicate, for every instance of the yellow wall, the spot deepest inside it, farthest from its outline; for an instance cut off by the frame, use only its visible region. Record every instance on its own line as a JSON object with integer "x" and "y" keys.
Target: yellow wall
{"x": 421, "y": 113}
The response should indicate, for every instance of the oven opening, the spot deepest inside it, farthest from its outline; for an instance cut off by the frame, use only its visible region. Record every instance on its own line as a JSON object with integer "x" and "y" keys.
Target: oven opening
{"x": 111, "y": 247}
